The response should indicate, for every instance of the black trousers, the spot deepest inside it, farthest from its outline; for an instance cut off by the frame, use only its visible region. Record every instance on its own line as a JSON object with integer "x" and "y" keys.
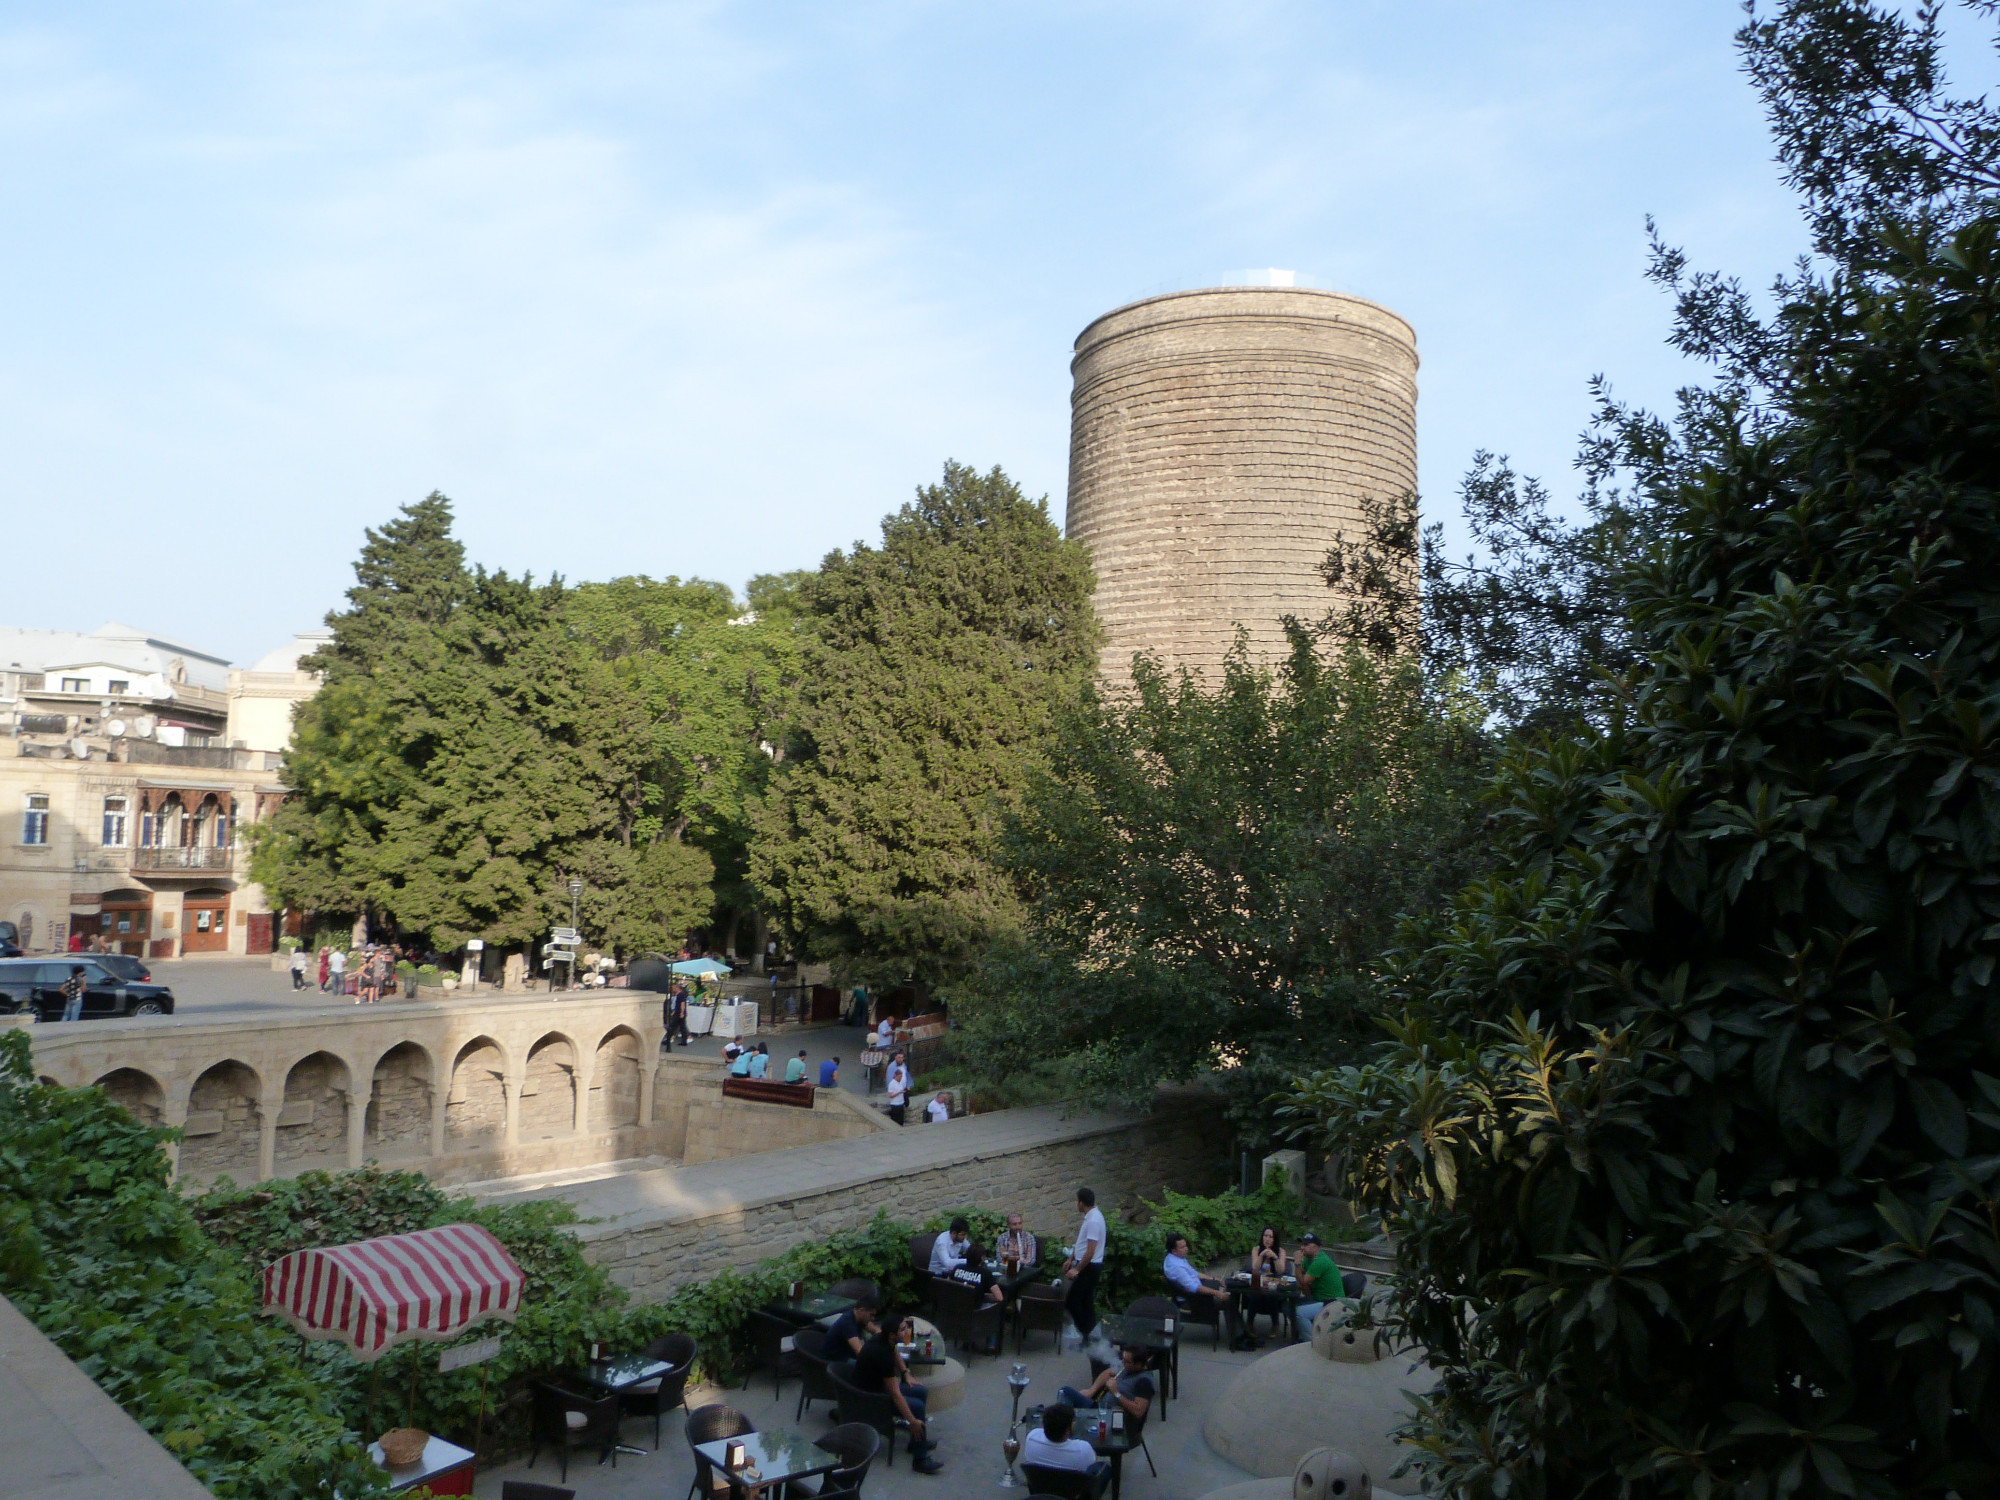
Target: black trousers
{"x": 1081, "y": 1303}
{"x": 896, "y": 1113}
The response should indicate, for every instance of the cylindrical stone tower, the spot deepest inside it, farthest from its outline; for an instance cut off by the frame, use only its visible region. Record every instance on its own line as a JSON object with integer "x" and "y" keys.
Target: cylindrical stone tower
{"x": 1221, "y": 441}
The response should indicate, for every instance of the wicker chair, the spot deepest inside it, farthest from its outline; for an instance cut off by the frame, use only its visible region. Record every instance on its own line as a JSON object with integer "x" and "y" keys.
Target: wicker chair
{"x": 569, "y": 1420}
{"x": 920, "y": 1253}
{"x": 705, "y": 1424}
{"x": 856, "y": 1444}
{"x": 965, "y": 1317}
{"x": 1202, "y": 1312}
{"x": 773, "y": 1333}
{"x": 655, "y": 1398}
{"x": 522, "y": 1489}
{"x": 814, "y": 1347}
{"x": 872, "y": 1409}
{"x": 1064, "y": 1484}
{"x": 1040, "y": 1306}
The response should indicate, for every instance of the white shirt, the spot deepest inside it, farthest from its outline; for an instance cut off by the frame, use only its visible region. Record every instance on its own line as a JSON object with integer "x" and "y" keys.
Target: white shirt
{"x": 337, "y": 962}
{"x": 1070, "y": 1453}
{"x": 938, "y": 1110}
{"x": 1092, "y": 1229}
{"x": 945, "y": 1256}
{"x": 898, "y": 1083}
{"x": 884, "y": 1036}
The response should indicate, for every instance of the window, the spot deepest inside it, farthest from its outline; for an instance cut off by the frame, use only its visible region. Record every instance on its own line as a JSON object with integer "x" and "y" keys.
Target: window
{"x": 120, "y": 686}
{"x": 114, "y": 822}
{"x": 149, "y": 830}
{"x": 220, "y": 826}
{"x": 76, "y": 684}
{"x": 35, "y": 821}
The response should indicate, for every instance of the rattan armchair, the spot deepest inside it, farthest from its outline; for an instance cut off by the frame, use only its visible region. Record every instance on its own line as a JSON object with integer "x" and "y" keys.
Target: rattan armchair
{"x": 569, "y": 1420}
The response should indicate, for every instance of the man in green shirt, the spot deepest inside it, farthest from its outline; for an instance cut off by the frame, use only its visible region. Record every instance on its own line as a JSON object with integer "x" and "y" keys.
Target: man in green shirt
{"x": 795, "y": 1070}
{"x": 1316, "y": 1268}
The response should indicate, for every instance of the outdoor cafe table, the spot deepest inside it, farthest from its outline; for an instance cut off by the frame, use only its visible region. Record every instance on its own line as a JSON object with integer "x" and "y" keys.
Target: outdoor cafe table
{"x": 616, "y": 1375}
{"x": 779, "y": 1455}
{"x": 1279, "y": 1291}
{"x": 444, "y": 1469}
{"x": 1150, "y": 1334}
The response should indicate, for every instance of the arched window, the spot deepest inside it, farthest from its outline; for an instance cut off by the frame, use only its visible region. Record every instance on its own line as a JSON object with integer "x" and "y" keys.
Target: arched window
{"x": 115, "y": 822}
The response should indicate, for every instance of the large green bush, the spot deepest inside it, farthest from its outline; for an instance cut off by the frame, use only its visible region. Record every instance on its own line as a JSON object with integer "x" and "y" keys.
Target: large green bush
{"x": 1692, "y": 1126}
{"x": 98, "y": 1251}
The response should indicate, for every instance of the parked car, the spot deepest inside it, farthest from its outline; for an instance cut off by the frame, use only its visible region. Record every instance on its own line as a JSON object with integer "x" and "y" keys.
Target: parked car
{"x": 36, "y": 984}
{"x": 124, "y": 965}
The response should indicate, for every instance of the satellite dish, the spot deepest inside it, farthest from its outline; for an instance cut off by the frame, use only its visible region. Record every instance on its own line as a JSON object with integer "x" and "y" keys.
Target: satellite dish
{"x": 115, "y": 728}
{"x": 143, "y": 726}
{"x": 80, "y": 748}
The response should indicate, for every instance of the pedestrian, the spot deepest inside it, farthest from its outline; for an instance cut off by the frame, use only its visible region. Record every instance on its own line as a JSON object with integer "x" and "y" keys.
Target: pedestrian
{"x": 795, "y": 1070}
{"x": 898, "y": 1086}
{"x": 337, "y": 962}
{"x": 298, "y": 969}
{"x": 1085, "y": 1265}
{"x": 322, "y": 968}
{"x": 939, "y": 1109}
{"x": 829, "y": 1073}
{"x": 72, "y": 993}
{"x": 76, "y": 942}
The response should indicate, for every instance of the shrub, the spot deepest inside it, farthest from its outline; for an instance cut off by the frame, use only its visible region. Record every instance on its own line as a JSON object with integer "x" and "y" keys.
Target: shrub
{"x": 427, "y": 974}
{"x": 98, "y": 1252}
{"x": 288, "y": 945}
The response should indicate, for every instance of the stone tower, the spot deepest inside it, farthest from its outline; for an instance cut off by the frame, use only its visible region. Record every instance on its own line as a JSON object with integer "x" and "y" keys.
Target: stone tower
{"x": 1221, "y": 441}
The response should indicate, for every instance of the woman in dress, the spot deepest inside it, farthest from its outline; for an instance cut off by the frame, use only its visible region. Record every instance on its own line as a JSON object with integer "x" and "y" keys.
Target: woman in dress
{"x": 1267, "y": 1258}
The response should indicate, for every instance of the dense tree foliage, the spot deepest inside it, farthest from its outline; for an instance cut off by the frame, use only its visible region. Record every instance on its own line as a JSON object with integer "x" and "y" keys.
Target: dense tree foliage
{"x": 1690, "y": 1127}
{"x": 1212, "y": 868}
{"x": 932, "y": 668}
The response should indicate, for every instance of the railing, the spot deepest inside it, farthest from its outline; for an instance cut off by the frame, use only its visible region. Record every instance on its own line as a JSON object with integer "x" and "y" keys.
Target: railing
{"x": 177, "y": 857}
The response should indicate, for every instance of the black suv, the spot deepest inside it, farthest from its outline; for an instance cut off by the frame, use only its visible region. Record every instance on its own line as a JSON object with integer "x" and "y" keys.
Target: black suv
{"x": 36, "y": 984}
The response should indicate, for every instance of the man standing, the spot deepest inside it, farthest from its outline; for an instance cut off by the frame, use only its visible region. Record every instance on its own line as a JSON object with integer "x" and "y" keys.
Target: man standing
{"x": 939, "y": 1109}
{"x": 897, "y": 1085}
{"x": 337, "y": 968}
{"x": 829, "y": 1073}
{"x": 1085, "y": 1265}
{"x": 72, "y": 993}
{"x": 1318, "y": 1269}
{"x": 298, "y": 969}
{"x": 795, "y": 1070}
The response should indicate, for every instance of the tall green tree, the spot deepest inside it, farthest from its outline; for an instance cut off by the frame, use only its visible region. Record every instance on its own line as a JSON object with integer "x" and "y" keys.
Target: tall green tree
{"x": 1690, "y": 1128}
{"x": 932, "y": 669}
{"x": 1212, "y": 870}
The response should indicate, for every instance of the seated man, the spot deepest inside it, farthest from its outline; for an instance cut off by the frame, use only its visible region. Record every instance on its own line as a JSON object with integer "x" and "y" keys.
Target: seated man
{"x": 739, "y": 1060}
{"x": 879, "y": 1367}
{"x": 795, "y": 1070}
{"x": 1016, "y": 1250}
{"x": 1317, "y": 1268}
{"x": 1191, "y": 1287}
{"x": 849, "y": 1331}
{"x": 948, "y": 1249}
{"x": 1128, "y": 1383}
{"x": 760, "y": 1060}
{"x": 829, "y": 1073}
{"x": 1052, "y": 1446}
{"x": 973, "y": 1272}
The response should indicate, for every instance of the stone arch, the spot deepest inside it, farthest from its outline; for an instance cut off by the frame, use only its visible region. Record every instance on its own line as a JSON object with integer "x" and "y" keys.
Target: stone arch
{"x": 222, "y": 1124}
{"x": 614, "y": 1080}
{"x": 139, "y": 1093}
{"x": 399, "y": 1110}
{"x": 475, "y": 1111}
{"x": 312, "y": 1125}
{"x": 548, "y": 1089}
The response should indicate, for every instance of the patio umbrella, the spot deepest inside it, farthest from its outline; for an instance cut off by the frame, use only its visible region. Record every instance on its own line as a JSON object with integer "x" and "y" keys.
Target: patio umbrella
{"x": 702, "y": 968}
{"x": 376, "y": 1294}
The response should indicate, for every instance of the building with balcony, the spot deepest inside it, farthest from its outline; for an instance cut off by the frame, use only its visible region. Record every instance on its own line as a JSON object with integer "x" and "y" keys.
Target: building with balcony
{"x": 129, "y": 766}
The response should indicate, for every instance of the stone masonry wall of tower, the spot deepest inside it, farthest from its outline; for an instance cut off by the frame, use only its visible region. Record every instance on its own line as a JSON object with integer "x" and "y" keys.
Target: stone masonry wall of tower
{"x": 1221, "y": 441}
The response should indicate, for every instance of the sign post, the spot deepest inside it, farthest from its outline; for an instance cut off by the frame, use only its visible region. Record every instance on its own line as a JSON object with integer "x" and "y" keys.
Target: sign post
{"x": 472, "y": 1354}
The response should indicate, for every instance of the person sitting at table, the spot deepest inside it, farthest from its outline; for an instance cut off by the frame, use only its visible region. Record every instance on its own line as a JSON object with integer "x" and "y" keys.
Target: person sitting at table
{"x": 948, "y": 1249}
{"x": 1053, "y": 1445}
{"x": 1016, "y": 1249}
{"x": 850, "y": 1330}
{"x": 760, "y": 1060}
{"x": 939, "y": 1109}
{"x": 1129, "y": 1383}
{"x": 879, "y": 1367}
{"x": 1267, "y": 1258}
{"x": 1320, "y": 1280}
{"x": 1190, "y": 1286}
{"x": 795, "y": 1070}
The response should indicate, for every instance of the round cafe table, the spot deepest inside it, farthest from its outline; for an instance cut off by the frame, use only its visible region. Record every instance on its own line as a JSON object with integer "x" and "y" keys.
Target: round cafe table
{"x": 945, "y": 1380}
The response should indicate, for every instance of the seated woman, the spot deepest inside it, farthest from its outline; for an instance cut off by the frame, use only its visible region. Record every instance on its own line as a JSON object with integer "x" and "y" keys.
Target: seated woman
{"x": 1267, "y": 1258}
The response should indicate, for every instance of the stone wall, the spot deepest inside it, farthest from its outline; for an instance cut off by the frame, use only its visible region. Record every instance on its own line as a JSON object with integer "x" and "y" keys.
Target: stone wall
{"x": 313, "y": 1123}
{"x": 476, "y": 1109}
{"x": 399, "y": 1117}
{"x": 653, "y": 1251}
{"x": 222, "y": 1123}
{"x": 718, "y": 1128}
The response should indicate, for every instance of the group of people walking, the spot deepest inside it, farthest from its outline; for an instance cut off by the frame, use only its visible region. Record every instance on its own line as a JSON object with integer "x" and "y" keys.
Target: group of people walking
{"x": 375, "y": 972}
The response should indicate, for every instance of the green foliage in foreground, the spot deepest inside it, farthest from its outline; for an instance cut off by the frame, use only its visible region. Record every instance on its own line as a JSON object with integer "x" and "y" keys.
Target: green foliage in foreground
{"x": 98, "y": 1251}
{"x": 1692, "y": 1128}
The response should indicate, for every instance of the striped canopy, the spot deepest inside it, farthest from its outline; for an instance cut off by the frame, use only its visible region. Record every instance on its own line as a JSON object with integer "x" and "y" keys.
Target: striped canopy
{"x": 433, "y": 1284}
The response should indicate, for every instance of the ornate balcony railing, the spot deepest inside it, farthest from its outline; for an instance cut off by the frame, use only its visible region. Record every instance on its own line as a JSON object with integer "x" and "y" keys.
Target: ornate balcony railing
{"x": 176, "y": 857}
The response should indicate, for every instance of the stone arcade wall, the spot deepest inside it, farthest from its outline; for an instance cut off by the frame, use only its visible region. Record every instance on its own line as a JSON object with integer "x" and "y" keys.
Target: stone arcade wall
{"x": 664, "y": 1228}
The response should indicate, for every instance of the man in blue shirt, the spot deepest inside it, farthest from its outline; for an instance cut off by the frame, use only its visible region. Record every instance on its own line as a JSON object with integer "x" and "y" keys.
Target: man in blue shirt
{"x": 829, "y": 1073}
{"x": 739, "y": 1066}
{"x": 1189, "y": 1284}
{"x": 760, "y": 1061}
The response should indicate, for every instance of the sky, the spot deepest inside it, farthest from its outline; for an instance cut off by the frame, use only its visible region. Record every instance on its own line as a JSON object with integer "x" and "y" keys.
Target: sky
{"x": 708, "y": 289}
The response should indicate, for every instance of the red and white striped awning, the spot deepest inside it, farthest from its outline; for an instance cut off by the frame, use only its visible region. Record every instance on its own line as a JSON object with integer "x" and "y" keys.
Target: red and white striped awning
{"x": 379, "y": 1293}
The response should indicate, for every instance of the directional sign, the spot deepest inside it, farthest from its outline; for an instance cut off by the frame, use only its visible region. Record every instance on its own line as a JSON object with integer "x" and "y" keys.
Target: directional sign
{"x": 568, "y": 935}
{"x": 467, "y": 1354}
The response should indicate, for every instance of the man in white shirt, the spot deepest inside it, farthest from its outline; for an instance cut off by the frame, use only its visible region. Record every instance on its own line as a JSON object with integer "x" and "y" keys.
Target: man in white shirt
{"x": 948, "y": 1249}
{"x": 939, "y": 1109}
{"x": 1052, "y": 1446}
{"x": 336, "y": 967}
{"x": 1085, "y": 1265}
{"x": 898, "y": 1086}
{"x": 885, "y": 1034}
